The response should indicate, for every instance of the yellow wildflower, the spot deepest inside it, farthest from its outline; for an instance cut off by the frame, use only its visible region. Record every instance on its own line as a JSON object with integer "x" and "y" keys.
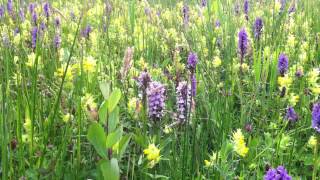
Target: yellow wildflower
{"x": 313, "y": 76}
{"x": 16, "y": 39}
{"x": 291, "y": 40}
{"x": 15, "y": 59}
{"x": 305, "y": 46}
{"x": 245, "y": 67}
{"x": 31, "y": 59}
{"x": 67, "y": 117}
{"x": 179, "y": 66}
{"x": 132, "y": 104}
{"x": 167, "y": 129}
{"x": 89, "y": 64}
{"x": 143, "y": 65}
{"x": 207, "y": 163}
{"x": 61, "y": 54}
{"x": 293, "y": 99}
{"x": 220, "y": 85}
{"x": 27, "y": 125}
{"x": 285, "y": 81}
{"x": 216, "y": 62}
{"x": 218, "y": 30}
{"x": 25, "y": 26}
{"x": 316, "y": 90}
{"x": 303, "y": 56}
{"x": 267, "y": 52}
{"x": 312, "y": 142}
{"x": 156, "y": 72}
{"x": 25, "y": 138}
{"x": 153, "y": 154}
{"x": 88, "y": 101}
{"x": 211, "y": 161}
{"x": 277, "y": 6}
{"x": 60, "y": 71}
{"x": 94, "y": 37}
{"x": 239, "y": 144}
{"x": 70, "y": 38}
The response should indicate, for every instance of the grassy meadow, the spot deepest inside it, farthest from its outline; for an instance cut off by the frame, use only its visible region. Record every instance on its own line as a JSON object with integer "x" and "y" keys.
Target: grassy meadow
{"x": 160, "y": 89}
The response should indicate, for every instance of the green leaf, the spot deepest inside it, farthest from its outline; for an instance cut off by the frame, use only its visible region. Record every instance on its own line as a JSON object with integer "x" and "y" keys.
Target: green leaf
{"x": 123, "y": 145}
{"x": 114, "y": 99}
{"x": 105, "y": 89}
{"x": 157, "y": 176}
{"x": 308, "y": 160}
{"x": 103, "y": 112}
{"x": 215, "y": 6}
{"x": 97, "y": 138}
{"x": 268, "y": 139}
{"x": 139, "y": 138}
{"x": 257, "y": 66}
{"x": 110, "y": 169}
{"x": 113, "y": 119}
{"x": 114, "y": 137}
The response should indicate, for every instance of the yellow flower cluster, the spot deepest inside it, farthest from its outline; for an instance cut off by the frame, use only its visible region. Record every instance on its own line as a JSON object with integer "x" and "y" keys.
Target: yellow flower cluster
{"x": 167, "y": 129}
{"x": 244, "y": 67}
{"x": 88, "y": 101}
{"x": 312, "y": 142}
{"x": 239, "y": 143}
{"x": 212, "y": 160}
{"x": 153, "y": 154}
{"x": 32, "y": 59}
{"x": 285, "y": 81}
{"x": 291, "y": 41}
{"x": 59, "y": 72}
{"x": 67, "y": 117}
{"x": 293, "y": 99}
{"x": 313, "y": 77}
{"x": 277, "y": 6}
{"x": 216, "y": 62}
{"x": 26, "y": 138}
{"x": 133, "y": 105}
{"x": 89, "y": 64}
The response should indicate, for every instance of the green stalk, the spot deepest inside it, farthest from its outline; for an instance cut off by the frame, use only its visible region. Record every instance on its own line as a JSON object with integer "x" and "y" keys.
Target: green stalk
{"x": 4, "y": 144}
{"x": 57, "y": 102}
{"x": 34, "y": 91}
{"x": 79, "y": 119}
{"x": 315, "y": 160}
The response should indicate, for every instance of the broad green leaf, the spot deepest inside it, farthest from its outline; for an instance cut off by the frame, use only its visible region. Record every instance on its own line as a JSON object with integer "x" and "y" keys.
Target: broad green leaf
{"x": 114, "y": 99}
{"x": 139, "y": 138}
{"x": 103, "y": 112}
{"x": 110, "y": 169}
{"x": 308, "y": 159}
{"x": 123, "y": 145}
{"x": 114, "y": 137}
{"x": 113, "y": 119}
{"x": 97, "y": 138}
{"x": 105, "y": 89}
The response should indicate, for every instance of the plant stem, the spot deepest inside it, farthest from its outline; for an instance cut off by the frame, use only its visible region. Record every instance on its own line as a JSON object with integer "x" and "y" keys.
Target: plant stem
{"x": 315, "y": 160}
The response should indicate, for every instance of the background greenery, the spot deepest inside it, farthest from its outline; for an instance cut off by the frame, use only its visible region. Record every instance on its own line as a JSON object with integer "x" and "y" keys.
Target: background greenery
{"x": 50, "y": 98}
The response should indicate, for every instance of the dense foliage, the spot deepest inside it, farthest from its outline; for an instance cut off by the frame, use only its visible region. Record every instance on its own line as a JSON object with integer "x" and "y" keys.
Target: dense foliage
{"x": 146, "y": 89}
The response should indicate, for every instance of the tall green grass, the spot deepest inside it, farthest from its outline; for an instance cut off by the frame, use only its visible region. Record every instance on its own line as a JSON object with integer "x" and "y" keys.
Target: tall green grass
{"x": 226, "y": 99}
